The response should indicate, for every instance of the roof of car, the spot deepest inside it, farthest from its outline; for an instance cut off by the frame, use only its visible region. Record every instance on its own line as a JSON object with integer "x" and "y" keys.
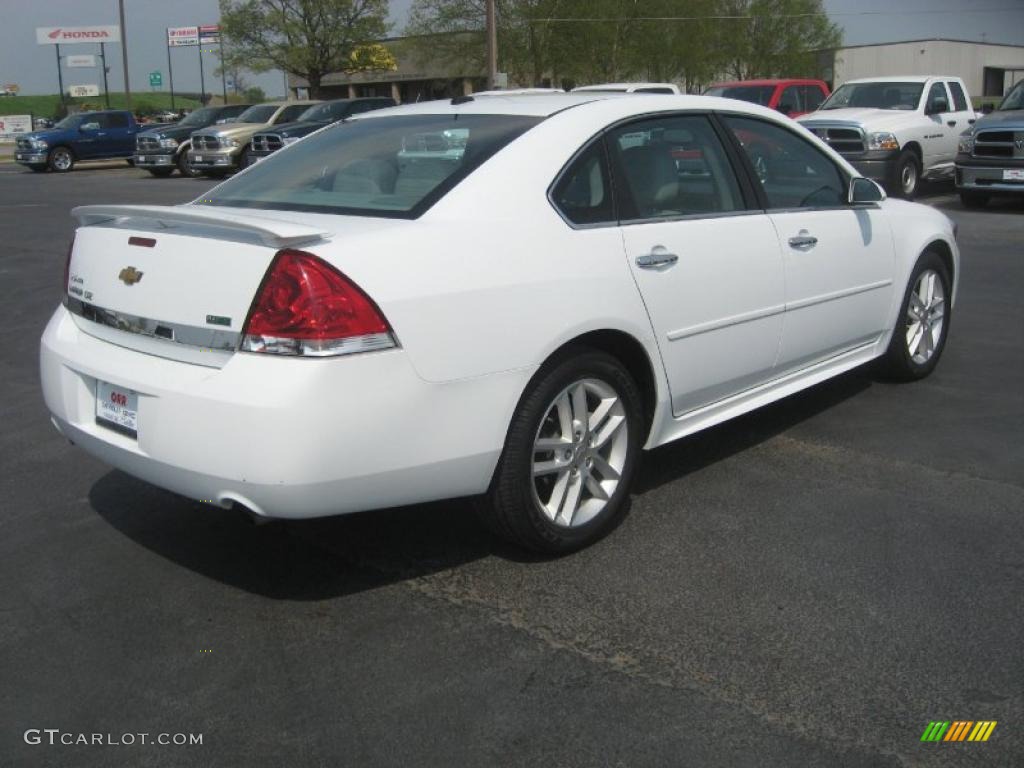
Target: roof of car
{"x": 903, "y": 79}
{"x": 765, "y": 81}
{"x": 546, "y": 104}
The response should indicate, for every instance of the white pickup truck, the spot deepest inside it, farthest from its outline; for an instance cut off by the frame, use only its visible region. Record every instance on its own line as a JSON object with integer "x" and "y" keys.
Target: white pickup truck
{"x": 896, "y": 130}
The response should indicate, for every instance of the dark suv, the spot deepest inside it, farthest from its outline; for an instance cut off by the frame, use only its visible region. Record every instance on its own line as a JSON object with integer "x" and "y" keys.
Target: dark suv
{"x": 313, "y": 119}
{"x": 990, "y": 158}
{"x": 163, "y": 149}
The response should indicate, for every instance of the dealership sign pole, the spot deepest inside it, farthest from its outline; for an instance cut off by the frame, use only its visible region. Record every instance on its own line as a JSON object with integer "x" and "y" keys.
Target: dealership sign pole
{"x": 170, "y": 75}
{"x": 103, "y": 61}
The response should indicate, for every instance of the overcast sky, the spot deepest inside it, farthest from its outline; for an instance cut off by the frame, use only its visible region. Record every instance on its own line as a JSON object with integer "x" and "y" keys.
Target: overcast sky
{"x": 33, "y": 66}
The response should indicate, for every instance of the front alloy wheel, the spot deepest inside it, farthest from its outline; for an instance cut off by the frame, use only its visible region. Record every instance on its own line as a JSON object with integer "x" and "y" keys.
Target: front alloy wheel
{"x": 562, "y": 481}
{"x": 61, "y": 159}
{"x": 923, "y": 323}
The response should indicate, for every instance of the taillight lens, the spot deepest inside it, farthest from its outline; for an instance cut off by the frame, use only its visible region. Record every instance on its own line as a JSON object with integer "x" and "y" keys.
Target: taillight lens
{"x": 306, "y": 307}
{"x": 67, "y": 269}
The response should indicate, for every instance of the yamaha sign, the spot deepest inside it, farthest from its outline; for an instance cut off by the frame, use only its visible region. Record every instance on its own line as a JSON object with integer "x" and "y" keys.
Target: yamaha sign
{"x": 72, "y": 35}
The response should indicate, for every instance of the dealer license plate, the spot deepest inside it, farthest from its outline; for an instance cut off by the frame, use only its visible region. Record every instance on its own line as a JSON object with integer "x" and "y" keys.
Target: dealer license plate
{"x": 1013, "y": 174}
{"x": 197, "y": 158}
{"x": 143, "y": 158}
{"x": 117, "y": 408}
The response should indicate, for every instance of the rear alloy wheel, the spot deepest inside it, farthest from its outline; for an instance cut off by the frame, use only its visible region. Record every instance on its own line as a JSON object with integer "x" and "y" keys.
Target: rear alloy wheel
{"x": 563, "y": 479}
{"x": 923, "y": 323}
{"x": 908, "y": 176}
{"x": 974, "y": 199}
{"x": 61, "y": 160}
{"x": 185, "y": 167}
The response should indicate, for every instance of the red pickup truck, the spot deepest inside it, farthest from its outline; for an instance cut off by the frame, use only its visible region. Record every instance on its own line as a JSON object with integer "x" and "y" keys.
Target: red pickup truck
{"x": 791, "y": 96}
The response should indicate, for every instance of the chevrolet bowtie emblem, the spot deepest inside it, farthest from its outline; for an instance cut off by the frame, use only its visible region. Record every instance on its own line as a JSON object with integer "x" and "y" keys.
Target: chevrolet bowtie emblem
{"x": 129, "y": 276}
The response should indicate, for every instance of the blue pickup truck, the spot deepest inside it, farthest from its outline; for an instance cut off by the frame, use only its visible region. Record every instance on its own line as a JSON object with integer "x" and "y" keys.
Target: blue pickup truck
{"x": 103, "y": 135}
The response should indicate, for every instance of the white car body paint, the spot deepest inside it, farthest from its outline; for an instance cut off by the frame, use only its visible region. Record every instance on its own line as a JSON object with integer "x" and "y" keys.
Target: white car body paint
{"x": 480, "y": 291}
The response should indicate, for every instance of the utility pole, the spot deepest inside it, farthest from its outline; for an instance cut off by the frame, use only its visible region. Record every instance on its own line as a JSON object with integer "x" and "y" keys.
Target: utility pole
{"x": 492, "y": 46}
{"x": 103, "y": 61}
{"x": 124, "y": 57}
{"x": 60, "y": 77}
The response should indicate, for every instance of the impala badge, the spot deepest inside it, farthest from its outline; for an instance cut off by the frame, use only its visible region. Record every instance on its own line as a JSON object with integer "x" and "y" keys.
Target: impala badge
{"x": 129, "y": 276}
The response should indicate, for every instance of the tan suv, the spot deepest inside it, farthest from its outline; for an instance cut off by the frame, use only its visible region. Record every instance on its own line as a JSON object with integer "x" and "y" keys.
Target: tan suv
{"x": 219, "y": 149}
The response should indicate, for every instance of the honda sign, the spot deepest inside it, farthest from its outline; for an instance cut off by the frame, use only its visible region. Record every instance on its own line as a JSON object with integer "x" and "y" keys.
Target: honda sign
{"x": 71, "y": 35}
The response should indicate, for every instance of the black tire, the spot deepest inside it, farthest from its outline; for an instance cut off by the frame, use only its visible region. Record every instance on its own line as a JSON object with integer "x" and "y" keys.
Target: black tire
{"x": 973, "y": 199}
{"x": 60, "y": 159}
{"x": 185, "y": 167}
{"x": 161, "y": 173}
{"x": 898, "y": 363}
{"x": 511, "y": 507}
{"x": 906, "y": 181}
{"x": 245, "y": 159}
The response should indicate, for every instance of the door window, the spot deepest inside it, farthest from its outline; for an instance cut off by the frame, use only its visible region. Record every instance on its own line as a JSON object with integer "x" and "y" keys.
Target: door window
{"x": 813, "y": 96}
{"x": 792, "y": 172}
{"x": 936, "y": 99}
{"x": 791, "y": 97}
{"x": 672, "y": 166}
{"x": 291, "y": 114}
{"x": 959, "y": 97}
{"x": 112, "y": 120}
{"x": 583, "y": 193}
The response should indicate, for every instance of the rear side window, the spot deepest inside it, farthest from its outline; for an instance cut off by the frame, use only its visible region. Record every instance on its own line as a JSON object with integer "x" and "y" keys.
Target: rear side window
{"x": 672, "y": 166}
{"x": 792, "y": 98}
{"x": 395, "y": 166}
{"x": 291, "y": 114}
{"x": 113, "y": 120}
{"x": 792, "y": 172}
{"x": 959, "y": 97}
{"x": 583, "y": 193}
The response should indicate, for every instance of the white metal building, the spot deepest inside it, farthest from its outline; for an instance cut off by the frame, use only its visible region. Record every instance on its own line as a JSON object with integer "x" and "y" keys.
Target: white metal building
{"x": 988, "y": 69}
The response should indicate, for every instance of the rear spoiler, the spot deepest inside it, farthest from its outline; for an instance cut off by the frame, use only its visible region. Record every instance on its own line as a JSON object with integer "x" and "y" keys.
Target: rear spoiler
{"x": 271, "y": 232}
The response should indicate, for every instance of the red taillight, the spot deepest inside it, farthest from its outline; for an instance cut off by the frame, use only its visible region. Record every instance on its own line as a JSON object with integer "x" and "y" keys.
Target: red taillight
{"x": 306, "y": 307}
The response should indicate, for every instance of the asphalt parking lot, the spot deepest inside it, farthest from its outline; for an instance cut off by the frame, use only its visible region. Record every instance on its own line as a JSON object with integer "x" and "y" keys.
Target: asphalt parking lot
{"x": 810, "y": 585}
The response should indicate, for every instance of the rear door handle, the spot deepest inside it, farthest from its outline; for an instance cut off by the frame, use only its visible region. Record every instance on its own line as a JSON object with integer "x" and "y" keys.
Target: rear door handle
{"x": 658, "y": 257}
{"x": 803, "y": 239}
{"x": 970, "y": 121}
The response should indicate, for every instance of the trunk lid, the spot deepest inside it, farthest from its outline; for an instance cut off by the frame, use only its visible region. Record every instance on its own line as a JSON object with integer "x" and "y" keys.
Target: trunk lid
{"x": 173, "y": 281}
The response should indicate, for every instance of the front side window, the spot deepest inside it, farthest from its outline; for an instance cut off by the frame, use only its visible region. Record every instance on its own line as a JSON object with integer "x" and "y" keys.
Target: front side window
{"x": 672, "y": 166}
{"x": 114, "y": 120}
{"x": 813, "y": 96}
{"x": 938, "y": 101}
{"x": 791, "y": 98}
{"x": 583, "y": 193}
{"x": 290, "y": 114}
{"x": 792, "y": 172}
{"x": 881, "y": 95}
{"x": 259, "y": 113}
{"x": 1014, "y": 99}
{"x": 394, "y": 166}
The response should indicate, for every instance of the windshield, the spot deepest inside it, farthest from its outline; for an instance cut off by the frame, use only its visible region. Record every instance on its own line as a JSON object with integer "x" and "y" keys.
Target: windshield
{"x": 394, "y": 166}
{"x": 756, "y": 94}
{"x": 200, "y": 117}
{"x": 905, "y": 96}
{"x": 261, "y": 113}
{"x": 1014, "y": 99}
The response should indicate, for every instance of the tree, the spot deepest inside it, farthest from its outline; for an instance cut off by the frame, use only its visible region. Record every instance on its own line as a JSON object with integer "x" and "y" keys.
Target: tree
{"x": 779, "y": 39}
{"x": 254, "y": 95}
{"x": 308, "y": 38}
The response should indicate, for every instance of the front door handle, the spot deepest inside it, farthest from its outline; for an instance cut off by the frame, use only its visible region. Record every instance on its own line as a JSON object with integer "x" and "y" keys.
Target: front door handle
{"x": 951, "y": 123}
{"x": 803, "y": 239}
{"x": 658, "y": 257}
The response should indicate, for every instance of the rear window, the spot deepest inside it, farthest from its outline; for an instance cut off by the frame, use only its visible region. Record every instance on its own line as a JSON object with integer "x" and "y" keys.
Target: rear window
{"x": 395, "y": 166}
{"x": 260, "y": 113}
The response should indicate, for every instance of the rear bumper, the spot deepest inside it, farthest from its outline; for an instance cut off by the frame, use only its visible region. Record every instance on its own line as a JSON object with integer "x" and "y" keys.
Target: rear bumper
{"x": 990, "y": 176}
{"x": 284, "y": 437}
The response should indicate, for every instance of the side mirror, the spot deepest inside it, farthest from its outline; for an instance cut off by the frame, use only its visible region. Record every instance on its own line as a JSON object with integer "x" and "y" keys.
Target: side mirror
{"x": 987, "y": 108}
{"x": 863, "y": 192}
{"x": 88, "y": 127}
{"x": 938, "y": 106}
{"x": 785, "y": 108}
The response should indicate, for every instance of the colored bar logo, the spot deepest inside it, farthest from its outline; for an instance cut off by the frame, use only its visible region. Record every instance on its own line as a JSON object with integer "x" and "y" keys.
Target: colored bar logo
{"x": 958, "y": 730}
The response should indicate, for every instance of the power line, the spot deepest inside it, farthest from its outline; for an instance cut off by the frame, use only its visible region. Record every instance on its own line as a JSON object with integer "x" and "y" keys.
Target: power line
{"x": 742, "y": 17}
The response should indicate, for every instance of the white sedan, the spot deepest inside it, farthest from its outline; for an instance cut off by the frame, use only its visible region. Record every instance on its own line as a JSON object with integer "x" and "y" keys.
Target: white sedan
{"x": 506, "y": 297}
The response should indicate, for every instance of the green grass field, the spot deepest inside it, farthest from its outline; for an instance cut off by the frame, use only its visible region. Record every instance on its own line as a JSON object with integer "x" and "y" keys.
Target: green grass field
{"x": 46, "y": 106}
